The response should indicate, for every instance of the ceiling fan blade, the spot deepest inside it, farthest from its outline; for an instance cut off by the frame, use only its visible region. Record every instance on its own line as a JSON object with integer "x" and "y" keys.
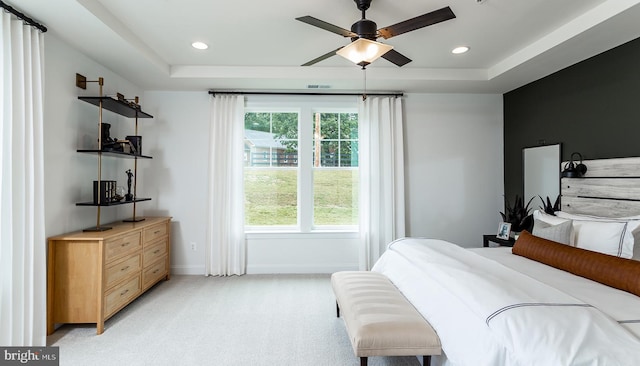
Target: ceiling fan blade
{"x": 323, "y": 57}
{"x": 396, "y": 57}
{"x": 416, "y": 23}
{"x": 326, "y": 26}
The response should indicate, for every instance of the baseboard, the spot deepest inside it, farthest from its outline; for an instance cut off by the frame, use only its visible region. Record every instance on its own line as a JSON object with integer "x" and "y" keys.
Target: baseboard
{"x": 292, "y": 268}
{"x": 271, "y": 269}
{"x": 188, "y": 270}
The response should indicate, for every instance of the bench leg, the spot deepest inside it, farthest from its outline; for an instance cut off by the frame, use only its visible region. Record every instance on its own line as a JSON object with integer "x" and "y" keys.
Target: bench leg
{"x": 337, "y": 310}
{"x": 426, "y": 360}
{"x": 363, "y": 361}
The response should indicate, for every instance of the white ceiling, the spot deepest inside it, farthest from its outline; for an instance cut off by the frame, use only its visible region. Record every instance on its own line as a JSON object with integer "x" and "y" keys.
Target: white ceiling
{"x": 258, "y": 45}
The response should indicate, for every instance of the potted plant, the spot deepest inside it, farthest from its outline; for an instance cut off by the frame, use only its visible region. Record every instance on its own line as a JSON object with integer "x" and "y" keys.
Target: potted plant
{"x": 548, "y": 208}
{"x": 518, "y": 214}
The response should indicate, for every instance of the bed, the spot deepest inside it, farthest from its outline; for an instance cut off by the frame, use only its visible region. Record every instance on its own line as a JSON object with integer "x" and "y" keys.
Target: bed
{"x": 492, "y": 307}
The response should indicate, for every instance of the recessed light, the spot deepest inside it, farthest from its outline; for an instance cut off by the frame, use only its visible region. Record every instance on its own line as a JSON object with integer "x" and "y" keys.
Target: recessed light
{"x": 199, "y": 45}
{"x": 459, "y": 50}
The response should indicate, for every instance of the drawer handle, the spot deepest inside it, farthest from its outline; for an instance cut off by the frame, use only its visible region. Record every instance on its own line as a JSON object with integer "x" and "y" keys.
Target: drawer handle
{"x": 156, "y": 251}
{"x": 125, "y": 244}
{"x": 125, "y": 268}
{"x": 156, "y": 232}
{"x": 156, "y": 271}
{"x": 124, "y": 292}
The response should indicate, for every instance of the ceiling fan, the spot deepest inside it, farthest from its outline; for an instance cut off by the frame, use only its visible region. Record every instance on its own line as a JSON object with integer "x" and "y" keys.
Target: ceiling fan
{"x": 367, "y": 29}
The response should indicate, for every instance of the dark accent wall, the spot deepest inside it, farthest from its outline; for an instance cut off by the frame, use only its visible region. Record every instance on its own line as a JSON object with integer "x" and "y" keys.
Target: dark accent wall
{"x": 592, "y": 107}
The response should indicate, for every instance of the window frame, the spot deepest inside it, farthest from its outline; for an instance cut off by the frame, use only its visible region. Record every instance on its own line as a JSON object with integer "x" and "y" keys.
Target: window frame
{"x": 305, "y": 106}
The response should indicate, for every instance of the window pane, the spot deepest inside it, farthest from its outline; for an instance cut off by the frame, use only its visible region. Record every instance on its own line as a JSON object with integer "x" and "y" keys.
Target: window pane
{"x": 271, "y": 197}
{"x": 271, "y": 175}
{"x": 263, "y": 155}
{"x": 349, "y": 153}
{"x": 335, "y": 173}
{"x": 329, "y": 125}
{"x": 349, "y": 125}
{"x": 285, "y": 126}
{"x": 329, "y": 156}
{"x": 335, "y": 196}
{"x": 258, "y": 121}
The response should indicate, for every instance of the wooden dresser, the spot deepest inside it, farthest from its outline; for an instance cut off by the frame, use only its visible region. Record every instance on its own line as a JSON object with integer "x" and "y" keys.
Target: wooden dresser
{"x": 92, "y": 275}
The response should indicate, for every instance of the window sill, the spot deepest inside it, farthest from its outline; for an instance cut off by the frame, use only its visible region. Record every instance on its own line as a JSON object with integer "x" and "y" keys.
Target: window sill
{"x": 316, "y": 234}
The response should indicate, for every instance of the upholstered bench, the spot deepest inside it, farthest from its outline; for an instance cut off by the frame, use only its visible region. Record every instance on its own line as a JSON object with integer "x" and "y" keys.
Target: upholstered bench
{"x": 380, "y": 321}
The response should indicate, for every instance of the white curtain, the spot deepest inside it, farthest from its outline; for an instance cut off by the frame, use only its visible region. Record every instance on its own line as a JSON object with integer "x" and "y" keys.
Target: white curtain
{"x": 381, "y": 176}
{"x": 22, "y": 239}
{"x": 226, "y": 245}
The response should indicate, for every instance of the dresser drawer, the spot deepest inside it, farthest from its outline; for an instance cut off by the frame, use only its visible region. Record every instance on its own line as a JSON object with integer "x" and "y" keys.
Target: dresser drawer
{"x": 154, "y": 232}
{"x": 122, "y": 269}
{"x": 153, "y": 273}
{"x": 124, "y": 244}
{"x": 154, "y": 251}
{"x": 121, "y": 295}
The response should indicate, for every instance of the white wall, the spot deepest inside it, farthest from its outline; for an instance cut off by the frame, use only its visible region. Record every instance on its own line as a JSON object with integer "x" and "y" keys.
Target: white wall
{"x": 70, "y": 124}
{"x": 179, "y": 144}
{"x": 454, "y": 166}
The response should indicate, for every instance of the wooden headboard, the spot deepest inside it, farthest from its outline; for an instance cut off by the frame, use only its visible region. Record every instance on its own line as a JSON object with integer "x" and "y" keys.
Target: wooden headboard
{"x": 610, "y": 188}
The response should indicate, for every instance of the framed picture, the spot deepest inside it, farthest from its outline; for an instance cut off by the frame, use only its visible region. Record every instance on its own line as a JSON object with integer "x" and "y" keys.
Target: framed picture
{"x": 504, "y": 229}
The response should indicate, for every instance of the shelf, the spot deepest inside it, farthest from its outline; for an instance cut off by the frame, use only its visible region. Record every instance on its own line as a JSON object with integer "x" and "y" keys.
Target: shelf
{"x": 116, "y": 106}
{"x": 123, "y": 202}
{"x": 115, "y": 153}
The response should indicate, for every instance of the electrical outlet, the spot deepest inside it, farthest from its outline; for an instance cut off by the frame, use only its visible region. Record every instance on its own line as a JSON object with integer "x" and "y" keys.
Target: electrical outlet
{"x": 193, "y": 246}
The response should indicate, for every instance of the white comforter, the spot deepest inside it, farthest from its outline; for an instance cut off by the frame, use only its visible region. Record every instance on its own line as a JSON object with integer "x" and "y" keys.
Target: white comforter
{"x": 488, "y": 314}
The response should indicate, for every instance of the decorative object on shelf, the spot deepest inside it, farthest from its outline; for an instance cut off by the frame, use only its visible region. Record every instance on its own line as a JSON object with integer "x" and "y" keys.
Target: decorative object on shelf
{"x": 573, "y": 170}
{"x": 548, "y": 208}
{"x": 104, "y": 194}
{"x": 119, "y": 196}
{"x": 108, "y": 143}
{"x": 134, "y": 103}
{"x": 136, "y": 144}
{"x": 518, "y": 215}
{"x": 124, "y": 146}
{"x": 504, "y": 230}
{"x": 129, "y": 196}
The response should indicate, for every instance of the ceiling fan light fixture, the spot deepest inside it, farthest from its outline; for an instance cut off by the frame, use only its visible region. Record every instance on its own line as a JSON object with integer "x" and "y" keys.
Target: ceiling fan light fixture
{"x": 364, "y": 51}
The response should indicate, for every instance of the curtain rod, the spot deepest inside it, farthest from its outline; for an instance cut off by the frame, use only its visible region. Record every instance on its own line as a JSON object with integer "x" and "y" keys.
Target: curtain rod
{"x": 213, "y": 92}
{"x": 22, "y": 16}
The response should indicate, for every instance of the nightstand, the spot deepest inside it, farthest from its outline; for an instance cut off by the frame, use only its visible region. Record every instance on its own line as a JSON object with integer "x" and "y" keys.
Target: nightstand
{"x": 494, "y": 239}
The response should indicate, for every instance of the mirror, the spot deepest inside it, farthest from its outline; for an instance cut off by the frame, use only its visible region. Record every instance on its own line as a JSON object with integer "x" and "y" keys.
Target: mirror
{"x": 541, "y": 173}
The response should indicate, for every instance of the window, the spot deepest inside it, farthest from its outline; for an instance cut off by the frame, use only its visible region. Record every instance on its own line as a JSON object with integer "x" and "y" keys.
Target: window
{"x": 301, "y": 166}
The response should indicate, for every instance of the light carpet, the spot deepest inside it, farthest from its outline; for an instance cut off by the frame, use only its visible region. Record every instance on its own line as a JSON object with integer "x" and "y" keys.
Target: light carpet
{"x": 221, "y": 321}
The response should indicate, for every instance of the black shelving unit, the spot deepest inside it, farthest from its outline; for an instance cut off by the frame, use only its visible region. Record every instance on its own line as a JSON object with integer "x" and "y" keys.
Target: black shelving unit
{"x": 118, "y": 154}
{"x": 113, "y": 203}
{"x": 124, "y": 108}
{"x": 117, "y": 106}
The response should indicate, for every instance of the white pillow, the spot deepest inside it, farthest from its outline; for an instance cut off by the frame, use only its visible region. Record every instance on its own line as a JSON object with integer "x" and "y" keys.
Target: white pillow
{"x": 560, "y": 233}
{"x": 604, "y": 230}
{"x": 553, "y": 220}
